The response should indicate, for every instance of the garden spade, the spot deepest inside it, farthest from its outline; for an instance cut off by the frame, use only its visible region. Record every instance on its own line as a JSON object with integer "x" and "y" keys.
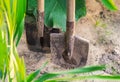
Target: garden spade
{"x": 38, "y": 35}
{"x": 35, "y": 31}
{"x": 67, "y": 49}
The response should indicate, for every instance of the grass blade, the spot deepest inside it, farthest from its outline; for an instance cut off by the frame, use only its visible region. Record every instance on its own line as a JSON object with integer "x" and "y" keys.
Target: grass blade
{"x": 33, "y": 75}
{"x": 100, "y": 77}
{"x": 73, "y": 71}
{"x": 19, "y": 32}
{"x": 46, "y": 76}
{"x": 82, "y": 70}
{"x": 21, "y": 8}
{"x": 109, "y": 4}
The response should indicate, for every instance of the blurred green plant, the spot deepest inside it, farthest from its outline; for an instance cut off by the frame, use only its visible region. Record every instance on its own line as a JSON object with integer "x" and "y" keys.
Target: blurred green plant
{"x": 11, "y": 28}
{"x": 109, "y": 4}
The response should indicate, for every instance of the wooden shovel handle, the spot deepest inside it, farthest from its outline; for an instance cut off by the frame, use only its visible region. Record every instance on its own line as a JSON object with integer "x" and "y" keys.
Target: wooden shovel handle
{"x": 70, "y": 17}
{"x": 70, "y": 25}
{"x": 41, "y": 5}
{"x": 40, "y": 19}
{"x": 70, "y": 10}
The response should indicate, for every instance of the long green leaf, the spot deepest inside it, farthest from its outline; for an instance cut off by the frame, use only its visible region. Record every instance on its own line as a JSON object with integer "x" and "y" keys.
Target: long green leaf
{"x": 33, "y": 75}
{"x": 31, "y": 7}
{"x": 100, "y": 77}
{"x": 82, "y": 70}
{"x": 46, "y": 76}
{"x": 3, "y": 45}
{"x": 55, "y": 12}
{"x": 20, "y": 9}
{"x": 19, "y": 32}
{"x": 19, "y": 66}
{"x": 80, "y": 9}
{"x": 3, "y": 51}
{"x": 14, "y": 12}
{"x": 1, "y": 17}
{"x": 109, "y": 4}
{"x": 73, "y": 71}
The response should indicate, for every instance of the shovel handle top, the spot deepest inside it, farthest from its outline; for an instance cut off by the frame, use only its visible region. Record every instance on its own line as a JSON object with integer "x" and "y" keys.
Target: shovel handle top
{"x": 71, "y": 10}
{"x": 41, "y": 5}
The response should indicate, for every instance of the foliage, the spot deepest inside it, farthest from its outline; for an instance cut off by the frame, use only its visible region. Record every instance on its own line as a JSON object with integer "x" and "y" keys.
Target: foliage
{"x": 109, "y": 4}
{"x": 3, "y": 48}
{"x": 55, "y": 11}
{"x": 10, "y": 32}
{"x": 31, "y": 7}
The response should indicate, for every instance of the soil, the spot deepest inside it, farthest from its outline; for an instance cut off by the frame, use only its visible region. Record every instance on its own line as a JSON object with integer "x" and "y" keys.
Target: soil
{"x": 101, "y": 27}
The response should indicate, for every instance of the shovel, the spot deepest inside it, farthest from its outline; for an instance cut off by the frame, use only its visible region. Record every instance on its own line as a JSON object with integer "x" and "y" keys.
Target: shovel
{"x": 35, "y": 31}
{"x": 37, "y": 34}
{"x": 69, "y": 50}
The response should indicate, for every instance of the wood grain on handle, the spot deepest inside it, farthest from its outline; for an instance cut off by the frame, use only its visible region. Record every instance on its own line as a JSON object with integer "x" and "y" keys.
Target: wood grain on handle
{"x": 71, "y": 10}
{"x": 41, "y": 5}
{"x": 70, "y": 25}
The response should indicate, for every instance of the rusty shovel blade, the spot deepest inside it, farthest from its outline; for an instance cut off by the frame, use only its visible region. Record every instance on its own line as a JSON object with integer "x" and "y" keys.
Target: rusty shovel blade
{"x": 80, "y": 50}
{"x": 79, "y": 55}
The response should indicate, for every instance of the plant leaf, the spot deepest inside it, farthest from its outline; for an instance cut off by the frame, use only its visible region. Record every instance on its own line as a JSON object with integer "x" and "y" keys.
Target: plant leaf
{"x": 1, "y": 17}
{"x": 55, "y": 12}
{"x": 80, "y": 9}
{"x": 109, "y": 4}
{"x": 19, "y": 32}
{"x": 47, "y": 76}
{"x": 31, "y": 7}
{"x": 102, "y": 77}
{"x": 14, "y": 13}
{"x": 33, "y": 75}
{"x": 82, "y": 70}
{"x": 3, "y": 51}
{"x": 20, "y": 13}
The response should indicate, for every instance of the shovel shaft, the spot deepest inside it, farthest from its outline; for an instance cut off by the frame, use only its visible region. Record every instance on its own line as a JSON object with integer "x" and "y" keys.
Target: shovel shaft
{"x": 40, "y": 18}
{"x": 41, "y": 5}
{"x": 71, "y": 10}
{"x": 70, "y": 24}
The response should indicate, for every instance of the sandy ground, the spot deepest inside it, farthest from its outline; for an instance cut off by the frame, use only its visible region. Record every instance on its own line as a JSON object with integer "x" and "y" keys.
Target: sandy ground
{"x": 100, "y": 27}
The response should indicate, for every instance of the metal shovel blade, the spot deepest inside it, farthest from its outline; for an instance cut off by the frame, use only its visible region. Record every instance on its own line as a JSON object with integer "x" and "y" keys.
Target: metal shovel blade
{"x": 57, "y": 46}
{"x": 79, "y": 51}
